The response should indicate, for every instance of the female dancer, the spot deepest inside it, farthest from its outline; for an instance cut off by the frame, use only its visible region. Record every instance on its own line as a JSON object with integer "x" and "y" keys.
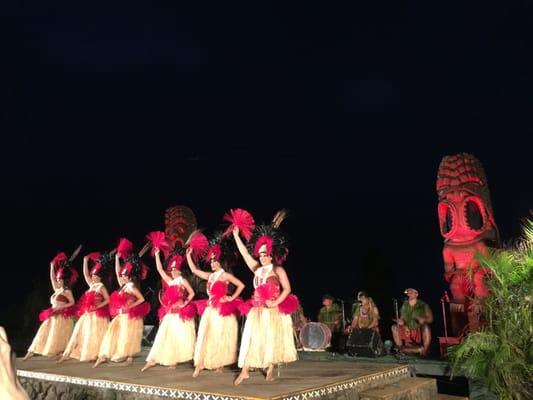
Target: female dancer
{"x": 174, "y": 342}
{"x": 92, "y": 311}
{"x": 56, "y": 327}
{"x": 216, "y": 345}
{"x": 267, "y": 338}
{"x": 124, "y": 334}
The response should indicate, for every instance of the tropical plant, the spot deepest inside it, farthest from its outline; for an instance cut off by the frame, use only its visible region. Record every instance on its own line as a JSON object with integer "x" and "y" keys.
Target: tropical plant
{"x": 500, "y": 355}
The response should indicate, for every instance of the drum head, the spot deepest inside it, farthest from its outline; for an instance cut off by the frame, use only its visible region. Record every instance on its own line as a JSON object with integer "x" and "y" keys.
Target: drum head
{"x": 315, "y": 336}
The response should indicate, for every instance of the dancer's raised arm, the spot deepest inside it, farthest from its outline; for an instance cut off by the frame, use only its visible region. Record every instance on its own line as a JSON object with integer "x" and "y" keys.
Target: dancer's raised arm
{"x": 117, "y": 267}
{"x": 86, "y": 274}
{"x": 248, "y": 259}
{"x": 192, "y": 266}
{"x": 53, "y": 281}
{"x": 159, "y": 265}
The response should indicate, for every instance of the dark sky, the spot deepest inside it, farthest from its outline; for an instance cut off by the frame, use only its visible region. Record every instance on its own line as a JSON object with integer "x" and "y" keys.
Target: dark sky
{"x": 114, "y": 111}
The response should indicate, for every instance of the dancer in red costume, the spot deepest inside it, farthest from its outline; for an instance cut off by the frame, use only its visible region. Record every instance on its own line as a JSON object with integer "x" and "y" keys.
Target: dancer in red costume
{"x": 56, "y": 327}
{"x": 267, "y": 338}
{"x": 93, "y": 312}
{"x": 174, "y": 342}
{"x": 127, "y": 307}
{"x": 216, "y": 344}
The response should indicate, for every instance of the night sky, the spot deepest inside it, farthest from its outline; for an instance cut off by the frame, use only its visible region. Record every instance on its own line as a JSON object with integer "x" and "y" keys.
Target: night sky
{"x": 113, "y": 112}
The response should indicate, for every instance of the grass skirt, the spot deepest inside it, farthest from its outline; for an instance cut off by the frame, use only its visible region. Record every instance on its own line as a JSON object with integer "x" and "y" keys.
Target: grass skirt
{"x": 52, "y": 336}
{"x": 122, "y": 339}
{"x": 174, "y": 342}
{"x": 267, "y": 339}
{"x": 216, "y": 344}
{"x": 87, "y": 337}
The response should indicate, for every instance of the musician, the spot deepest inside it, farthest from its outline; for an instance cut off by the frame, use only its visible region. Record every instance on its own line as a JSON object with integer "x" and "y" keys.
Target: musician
{"x": 365, "y": 313}
{"x": 412, "y": 328}
{"x": 330, "y": 314}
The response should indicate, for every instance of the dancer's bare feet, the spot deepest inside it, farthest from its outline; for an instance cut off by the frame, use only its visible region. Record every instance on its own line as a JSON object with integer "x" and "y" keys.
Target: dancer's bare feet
{"x": 242, "y": 376}
{"x": 172, "y": 366}
{"x": 270, "y": 373}
{"x": 148, "y": 365}
{"x": 99, "y": 361}
{"x": 197, "y": 372}
{"x": 129, "y": 361}
{"x": 219, "y": 370}
{"x": 29, "y": 354}
{"x": 62, "y": 359}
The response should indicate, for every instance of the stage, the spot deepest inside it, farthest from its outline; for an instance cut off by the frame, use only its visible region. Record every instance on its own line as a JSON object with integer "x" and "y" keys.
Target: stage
{"x": 305, "y": 379}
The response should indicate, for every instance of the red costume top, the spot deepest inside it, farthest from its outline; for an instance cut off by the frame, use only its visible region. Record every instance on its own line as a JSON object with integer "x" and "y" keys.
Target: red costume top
{"x": 268, "y": 287}
{"x": 217, "y": 290}
{"x": 91, "y": 299}
{"x": 121, "y": 298}
{"x": 58, "y": 298}
{"x": 172, "y": 301}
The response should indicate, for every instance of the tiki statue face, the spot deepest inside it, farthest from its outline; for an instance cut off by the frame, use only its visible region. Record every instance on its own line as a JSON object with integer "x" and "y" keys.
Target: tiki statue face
{"x": 180, "y": 222}
{"x": 465, "y": 212}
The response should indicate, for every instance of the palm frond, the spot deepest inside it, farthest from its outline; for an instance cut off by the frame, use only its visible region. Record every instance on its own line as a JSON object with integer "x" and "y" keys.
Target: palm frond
{"x": 501, "y": 355}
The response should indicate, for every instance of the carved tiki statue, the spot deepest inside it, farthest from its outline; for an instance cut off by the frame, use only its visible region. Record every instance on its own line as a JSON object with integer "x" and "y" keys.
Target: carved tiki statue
{"x": 467, "y": 224}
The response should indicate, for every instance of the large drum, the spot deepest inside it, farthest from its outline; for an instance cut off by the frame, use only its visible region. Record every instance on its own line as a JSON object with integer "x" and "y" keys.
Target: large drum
{"x": 315, "y": 336}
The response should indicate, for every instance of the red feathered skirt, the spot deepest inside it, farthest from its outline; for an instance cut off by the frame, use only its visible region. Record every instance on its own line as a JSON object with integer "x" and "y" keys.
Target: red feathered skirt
{"x": 216, "y": 343}
{"x": 54, "y": 332}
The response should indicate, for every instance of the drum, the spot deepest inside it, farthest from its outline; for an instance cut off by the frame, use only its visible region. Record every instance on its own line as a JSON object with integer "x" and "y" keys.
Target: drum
{"x": 315, "y": 336}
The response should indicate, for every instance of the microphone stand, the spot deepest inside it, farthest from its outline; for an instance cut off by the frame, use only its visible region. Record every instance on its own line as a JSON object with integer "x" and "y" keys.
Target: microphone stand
{"x": 445, "y": 299}
{"x": 343, "y": 315}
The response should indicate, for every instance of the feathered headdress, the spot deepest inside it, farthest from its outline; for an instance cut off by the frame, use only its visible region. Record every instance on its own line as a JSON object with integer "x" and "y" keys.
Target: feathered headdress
{"x": 270, "y": 240}
{"x": 101, "y": 264}
{"x": 175, "y": 258}
{"x": 133, "y": 267}
{"x": 59, "y": 259}
{"x": 67, "y": 273}
{"x": 94, "y": 265}
{"x": 63, "y": 267}
{"x": 223, "y": 250}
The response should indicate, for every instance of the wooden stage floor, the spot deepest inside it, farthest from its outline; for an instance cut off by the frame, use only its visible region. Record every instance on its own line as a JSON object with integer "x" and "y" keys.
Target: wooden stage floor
{"x": 300, "y": 380}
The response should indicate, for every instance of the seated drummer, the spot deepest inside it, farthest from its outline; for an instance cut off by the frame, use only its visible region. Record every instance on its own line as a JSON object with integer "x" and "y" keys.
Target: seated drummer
{"x": 330, "y": 314}
{"x": 365, "y": 313}
{"x": 412, "y": 329}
